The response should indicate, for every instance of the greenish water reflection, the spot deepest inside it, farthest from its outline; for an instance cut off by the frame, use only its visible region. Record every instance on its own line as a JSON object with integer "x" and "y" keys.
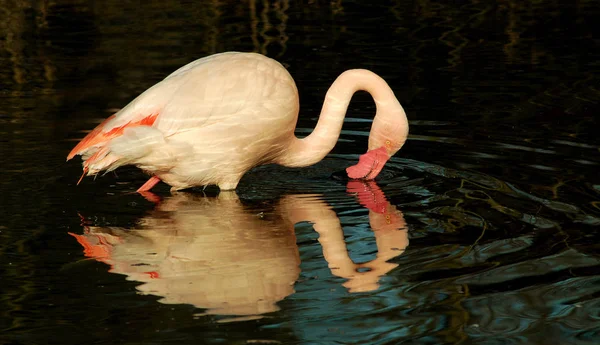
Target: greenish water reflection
{"x": 498, "y": 183}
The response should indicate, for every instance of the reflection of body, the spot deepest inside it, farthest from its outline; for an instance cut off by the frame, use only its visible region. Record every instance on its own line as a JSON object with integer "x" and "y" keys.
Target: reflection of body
{"x": 215, "y": 254}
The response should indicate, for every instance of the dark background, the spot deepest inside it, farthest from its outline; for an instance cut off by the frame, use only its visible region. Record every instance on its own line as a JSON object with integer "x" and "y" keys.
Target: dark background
{"x": 498, "y": 180}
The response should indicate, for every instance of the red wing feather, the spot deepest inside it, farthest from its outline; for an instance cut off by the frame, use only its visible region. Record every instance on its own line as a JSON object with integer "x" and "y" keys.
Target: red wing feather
{"x": 101, "y": 135}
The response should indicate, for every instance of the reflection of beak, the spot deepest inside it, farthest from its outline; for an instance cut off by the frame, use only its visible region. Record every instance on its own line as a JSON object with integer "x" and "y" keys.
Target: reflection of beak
{"x": 369, "y": 195}
{"x": 384, "y": 215}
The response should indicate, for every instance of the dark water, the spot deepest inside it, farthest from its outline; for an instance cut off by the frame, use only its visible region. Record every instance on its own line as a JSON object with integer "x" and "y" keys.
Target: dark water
{"x": 485, "y": 227}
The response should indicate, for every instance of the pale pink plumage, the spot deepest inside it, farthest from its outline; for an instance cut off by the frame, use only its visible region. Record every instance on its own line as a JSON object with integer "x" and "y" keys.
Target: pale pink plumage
{"x": 217, "y": 117}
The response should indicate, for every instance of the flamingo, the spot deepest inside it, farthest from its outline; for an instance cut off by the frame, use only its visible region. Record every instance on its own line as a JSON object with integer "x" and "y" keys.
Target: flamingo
{"x": 212, "y": 120}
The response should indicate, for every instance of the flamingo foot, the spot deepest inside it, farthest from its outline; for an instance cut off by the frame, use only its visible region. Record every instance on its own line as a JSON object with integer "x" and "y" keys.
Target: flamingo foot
{"x": 369, "y": 164}
{"x": 149, "y": 184}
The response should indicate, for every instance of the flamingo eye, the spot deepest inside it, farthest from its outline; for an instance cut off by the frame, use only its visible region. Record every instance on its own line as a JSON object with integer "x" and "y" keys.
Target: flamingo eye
{"x": 388, "y": 143}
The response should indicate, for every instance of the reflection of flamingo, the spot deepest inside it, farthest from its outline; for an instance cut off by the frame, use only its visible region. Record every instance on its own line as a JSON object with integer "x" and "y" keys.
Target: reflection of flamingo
{"x": 215, "y": 254}
{"x": 212, "y": 120}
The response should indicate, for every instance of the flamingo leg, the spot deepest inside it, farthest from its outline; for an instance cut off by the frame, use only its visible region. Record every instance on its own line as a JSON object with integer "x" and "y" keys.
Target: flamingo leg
{"x": 149, "y": 184}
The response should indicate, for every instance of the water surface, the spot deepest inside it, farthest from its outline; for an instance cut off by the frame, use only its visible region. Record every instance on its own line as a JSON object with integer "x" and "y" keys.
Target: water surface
{"x": 482, "y": 230}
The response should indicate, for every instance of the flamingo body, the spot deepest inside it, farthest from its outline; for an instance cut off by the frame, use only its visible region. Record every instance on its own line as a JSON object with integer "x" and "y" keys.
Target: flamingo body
{"x": 217, "y": 117}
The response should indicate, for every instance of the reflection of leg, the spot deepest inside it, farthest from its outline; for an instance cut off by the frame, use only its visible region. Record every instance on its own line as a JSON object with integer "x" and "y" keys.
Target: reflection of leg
{"x": 153, "y": 198}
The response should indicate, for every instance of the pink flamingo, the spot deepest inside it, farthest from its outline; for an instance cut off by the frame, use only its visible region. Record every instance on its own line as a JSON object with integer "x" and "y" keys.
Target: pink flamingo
{"x": 215, "y": 118}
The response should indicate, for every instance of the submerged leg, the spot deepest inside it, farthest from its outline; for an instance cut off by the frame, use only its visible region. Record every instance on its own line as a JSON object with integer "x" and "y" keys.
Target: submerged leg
{"x": 149, "y": 184}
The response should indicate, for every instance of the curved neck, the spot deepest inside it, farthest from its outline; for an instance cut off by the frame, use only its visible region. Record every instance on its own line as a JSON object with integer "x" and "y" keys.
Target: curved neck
{"x": 389, "y": 129}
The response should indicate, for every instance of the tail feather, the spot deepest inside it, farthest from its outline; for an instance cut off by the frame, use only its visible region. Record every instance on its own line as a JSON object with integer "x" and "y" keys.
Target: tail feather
{"x": 137, "y": 142}
{"x": 96, "y": 148}
{"x": 104, "y": 133}
{"x": 133, "y": 146}
{"x": 148, "y": 148}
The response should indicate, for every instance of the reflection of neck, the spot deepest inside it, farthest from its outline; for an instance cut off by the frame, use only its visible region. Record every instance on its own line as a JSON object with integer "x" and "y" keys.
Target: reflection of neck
{"x": 386, "y": 221}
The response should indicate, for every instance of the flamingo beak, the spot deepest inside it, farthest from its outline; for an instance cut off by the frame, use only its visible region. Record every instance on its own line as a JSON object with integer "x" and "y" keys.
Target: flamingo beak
{"x": 369, "y": 164}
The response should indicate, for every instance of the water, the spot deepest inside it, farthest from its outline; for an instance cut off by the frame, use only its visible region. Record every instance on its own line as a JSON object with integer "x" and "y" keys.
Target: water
{"x": 492, "y": 206}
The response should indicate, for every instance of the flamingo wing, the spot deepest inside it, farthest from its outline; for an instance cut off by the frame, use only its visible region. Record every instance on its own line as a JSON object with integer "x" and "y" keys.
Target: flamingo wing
{"x": 159, "y": 101}
{"x": 219, "y": 100}
{"x": 227, "y": 90}
{"x": 108, "y": 130}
